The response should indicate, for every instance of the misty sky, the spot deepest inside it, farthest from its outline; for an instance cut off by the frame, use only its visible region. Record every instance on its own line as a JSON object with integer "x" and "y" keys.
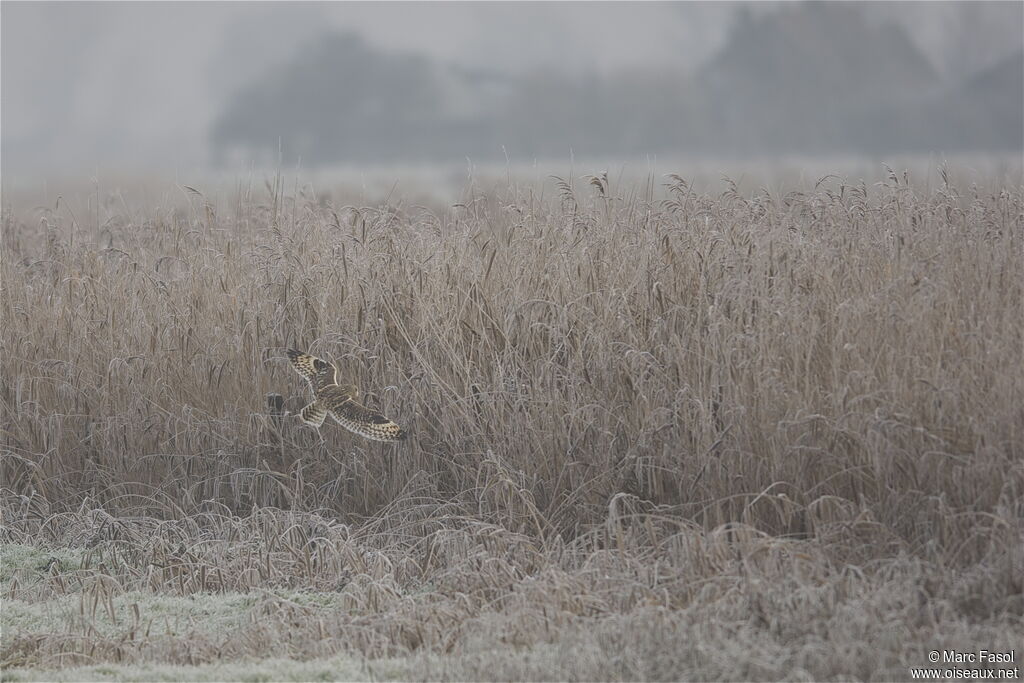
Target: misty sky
{"x": 136, "y": 85}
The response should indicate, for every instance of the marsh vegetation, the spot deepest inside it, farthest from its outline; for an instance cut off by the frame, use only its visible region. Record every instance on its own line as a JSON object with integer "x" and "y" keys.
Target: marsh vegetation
{"x": 655, "y": 433}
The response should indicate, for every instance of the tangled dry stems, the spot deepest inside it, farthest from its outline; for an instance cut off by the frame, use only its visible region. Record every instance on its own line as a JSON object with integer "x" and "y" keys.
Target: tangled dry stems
{"x": 653, "y": 436}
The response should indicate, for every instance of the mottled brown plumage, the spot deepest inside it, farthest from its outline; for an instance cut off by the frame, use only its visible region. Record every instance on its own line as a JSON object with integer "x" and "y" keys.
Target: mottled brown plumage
{"x": 339, "y": 401}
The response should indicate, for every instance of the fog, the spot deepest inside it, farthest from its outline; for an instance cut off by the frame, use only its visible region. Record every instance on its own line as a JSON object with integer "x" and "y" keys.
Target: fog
{"x": 179, "y": 88}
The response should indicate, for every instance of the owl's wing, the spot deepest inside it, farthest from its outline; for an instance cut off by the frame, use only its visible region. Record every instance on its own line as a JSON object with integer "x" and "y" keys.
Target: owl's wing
{"x": 318, "y": 372}
{"x": 365, "y": 422}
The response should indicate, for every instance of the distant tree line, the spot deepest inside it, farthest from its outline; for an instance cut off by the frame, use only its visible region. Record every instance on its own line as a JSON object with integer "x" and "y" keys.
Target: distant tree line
{"x": 811, "y": 78}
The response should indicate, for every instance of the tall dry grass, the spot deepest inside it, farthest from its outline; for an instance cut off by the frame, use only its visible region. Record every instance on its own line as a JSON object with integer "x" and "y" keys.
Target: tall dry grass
{"x": 656, "y": 380}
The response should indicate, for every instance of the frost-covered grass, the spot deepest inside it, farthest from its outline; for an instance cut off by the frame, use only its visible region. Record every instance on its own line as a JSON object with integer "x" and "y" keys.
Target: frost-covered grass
{"x": 248, "y": 671}
{"x": 429, "y": 596}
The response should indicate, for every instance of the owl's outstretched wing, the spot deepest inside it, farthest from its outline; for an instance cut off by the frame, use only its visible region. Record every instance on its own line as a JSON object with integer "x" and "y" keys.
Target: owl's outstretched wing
{"x": 367, "y": 423}
{"x": 318, "y": 372}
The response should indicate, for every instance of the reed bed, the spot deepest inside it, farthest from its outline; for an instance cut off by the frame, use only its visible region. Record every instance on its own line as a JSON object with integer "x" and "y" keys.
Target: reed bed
{"x": 655, "y": 433}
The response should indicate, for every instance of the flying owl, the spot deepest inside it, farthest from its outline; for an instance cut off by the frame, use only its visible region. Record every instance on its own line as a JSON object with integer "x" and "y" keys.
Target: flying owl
{"x": 340, "y": 401}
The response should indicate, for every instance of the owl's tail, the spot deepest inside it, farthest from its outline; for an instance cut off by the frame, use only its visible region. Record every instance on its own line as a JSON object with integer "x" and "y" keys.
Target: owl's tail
{"x": 314, "y": 414}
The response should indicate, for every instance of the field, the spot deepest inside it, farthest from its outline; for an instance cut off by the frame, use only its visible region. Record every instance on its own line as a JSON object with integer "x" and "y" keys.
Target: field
{"x": 656, "y": 433}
